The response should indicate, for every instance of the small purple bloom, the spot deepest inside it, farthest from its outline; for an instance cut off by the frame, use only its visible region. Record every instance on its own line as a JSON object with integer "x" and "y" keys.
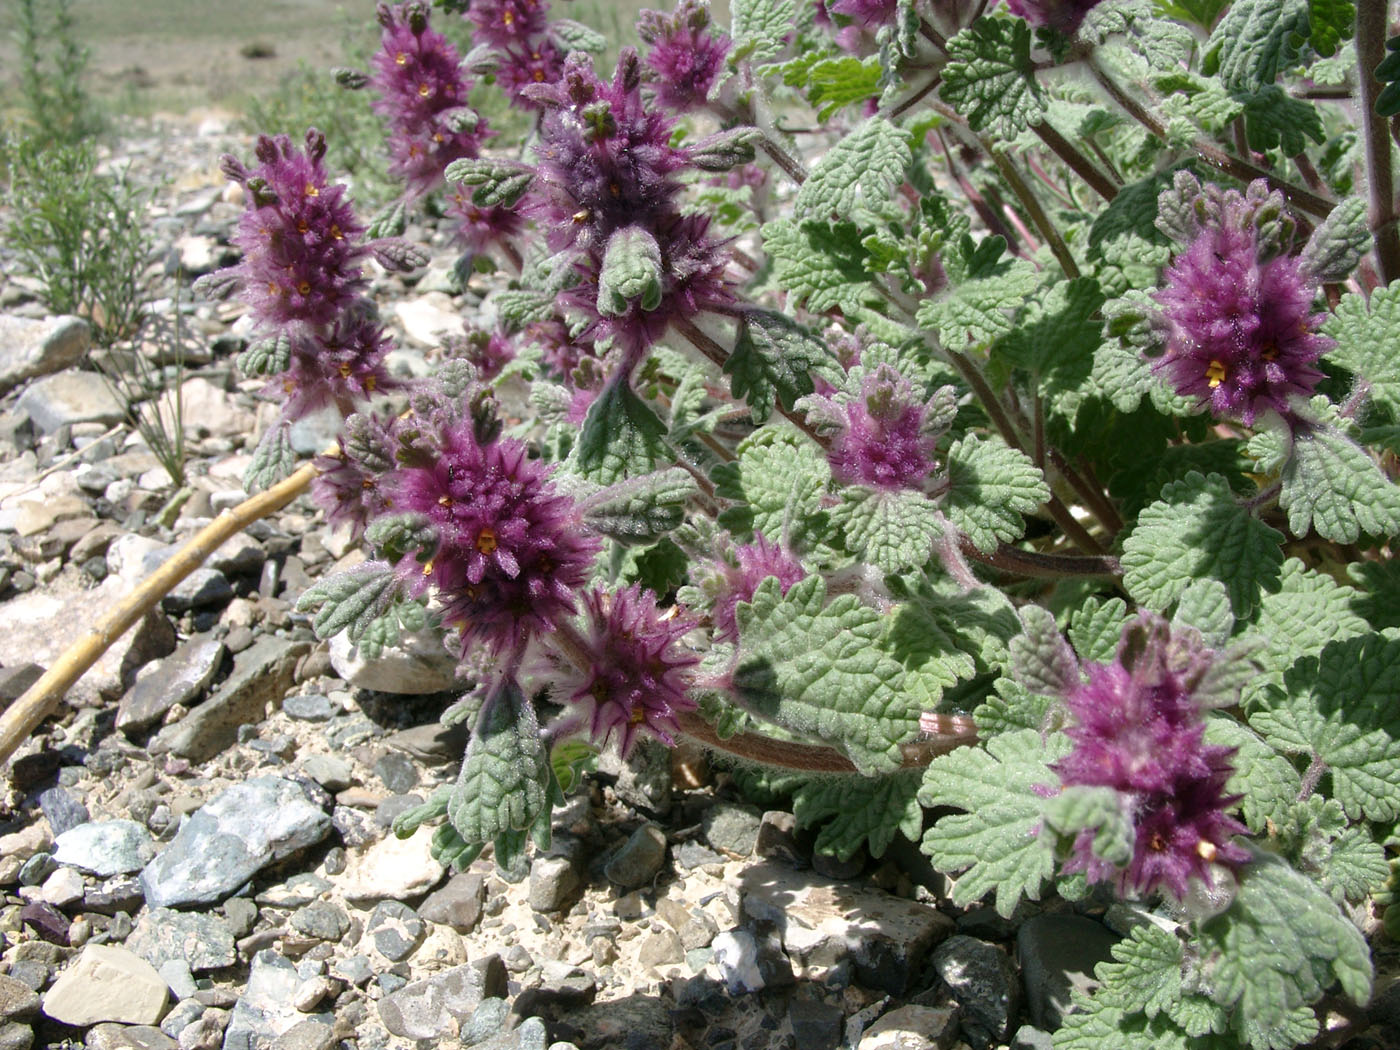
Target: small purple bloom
{"x": 299, "y": 236}
{"x": 757, "y": 561}
{"x": 685, "y": 57}
{"x": 1139, "y": 730}
{"x": 1242, "y": 334}
{"x": 340, "y": 364}
{"x": 1064, "y": 15}
{"x": 488, "y": 351}
{"x": 638, "y": 672}
{"x": 349, "y": 486}
{"x": 524, "y": 66}
{"x": 424, "y": 97}
{"x": 502, "y": 23}
{"x": 512, "y": 551}
{"x": 884, "y": 438}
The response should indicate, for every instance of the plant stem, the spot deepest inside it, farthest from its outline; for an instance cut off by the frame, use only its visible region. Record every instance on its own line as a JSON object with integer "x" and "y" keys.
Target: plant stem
{"x": 1030, "y": 202}
{"x": 1370, "y": 50}
{"x": 906, "y": 104}
{"x": 1081, "y": 165}
{"x": 1037, "y": 565}
{"x": 1211, "y": 153}
{"x": 1090, "y": 492}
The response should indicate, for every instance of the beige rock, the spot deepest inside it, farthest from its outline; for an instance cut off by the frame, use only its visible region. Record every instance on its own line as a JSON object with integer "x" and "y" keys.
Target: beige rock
{"x": 392, "y": 867}
{"x": 107, "y": 984}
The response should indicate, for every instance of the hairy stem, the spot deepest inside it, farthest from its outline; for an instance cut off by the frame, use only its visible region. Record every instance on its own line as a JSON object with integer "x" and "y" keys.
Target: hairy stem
{"x": 1040, "y": 566}
{"x": 1370, "y": 50}
{"x": 1078, "y": 163}
{"x": 1031, "y": 203}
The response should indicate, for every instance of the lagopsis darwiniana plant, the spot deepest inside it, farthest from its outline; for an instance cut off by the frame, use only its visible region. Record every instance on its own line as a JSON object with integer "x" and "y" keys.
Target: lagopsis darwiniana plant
{"x": 929, "y": 404}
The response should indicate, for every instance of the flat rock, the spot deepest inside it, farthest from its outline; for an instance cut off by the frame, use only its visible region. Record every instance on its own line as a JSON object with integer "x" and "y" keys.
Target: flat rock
{"x": 395, "y": 929}
{"x": 198, "y": 940}
{"x": 237, "y": 833}
{"x": 458, "y": 904}
{"x": 70, "y": 397}
{"x": 261, "y": 675}
{"x": 428, "y": 318}
{"x": 823, "y": 922}
{"x": 1058, "y": 954}
{"x": 417, "y": 664}
{"x": 639, "y": 858}
{"x": 30, "y": 348}
{"x": 107, "y": 983}
{"x": 638, "y": 1022}
{"x": 205, "y": 588}
{"x": 15, "y": 1036}
{"x": 732, "y": 828}
{"x": 178, "y": 679}
{"x": 267, "y": 1007}
{"x": 436, "y": 1007}
{"x": 391, "y": 868}
{"x": 18, "y": 1002}
{"x": 32, "y": 517}
{"x": 108, "y": 1036}
{"x": 983, "y": 981}
{"x": 108, "y": 847}
{"x": 239, "y": 555}
{"x": 62, "y": 810}
{"x": 913, "y": 1027}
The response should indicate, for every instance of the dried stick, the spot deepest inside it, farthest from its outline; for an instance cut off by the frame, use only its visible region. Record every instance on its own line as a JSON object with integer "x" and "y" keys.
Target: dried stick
{"x": 40, "y": 699}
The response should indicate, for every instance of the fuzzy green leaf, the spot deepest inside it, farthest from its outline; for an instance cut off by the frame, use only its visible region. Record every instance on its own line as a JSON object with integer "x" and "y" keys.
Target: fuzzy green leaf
{"x": 631, "y": 271}
{"x": 814, "y": 668}
{"x": 642, "y": 509}
{"x": 522, "y": 306}
{"x": 1009, "y": 707}
{"x": 990, "y": 486}
{"x": 1095, "y": 627}
{"x": 1205, "y": 606}
{"x": 1145, "y": 974}
{"x": 773, "y": 361}
{"x": 1197, "y": 530}
{"x": 778, "y": 483}
{"x": 979, "y": 311}
{"x": 1366, "y": 339}
{"x": 823, "y": 265}
{"x": 1265, "y": 778}
{"x": 860, "y": 170}
{"x": 834, "y": 83}
{"x": 1379, "y": 604}
{"x": 1255, "y": 40}
{"x": 864, "y": 810}
{"x": 929, "y": 644}
{"x": 760, "y": 27}
{"x": 505, "y": 780}
{"x": 350, "y": 600}
{"x": 267, "y": 357}
{"x": 994, "y": 842}
{"x": 273, "y": 460}
{"x": 893, "y": 530}
{"x": 1274, "y": 119}
{"x": 1041, "y": 659}
{"x": 1330, "y": 22}
{"x": 1339, "y": 242}
{"x": 1277, "y": 948}
{"x": 1332, "y": 485}
{"x": 410, "y": 820}
{"x": 1099, "y": 810}
{"x": 621, "y": 436}
{"x": 397, "y": 535}
{"x": 1132, "y": 213}
{"x": 1340, "y": 706}
{"x": 990, "y": 78}
{"x": 1056, "y": 338}
{"x": 575, "y": 36}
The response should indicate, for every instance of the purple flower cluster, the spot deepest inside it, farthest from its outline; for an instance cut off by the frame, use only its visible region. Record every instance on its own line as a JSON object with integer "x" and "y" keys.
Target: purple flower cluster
{"x": 1139, "y": 730}
{"x": 637, "y": 672}
{"x": 855, "y": 22}
{"x": 1241, "y": 332}
{"x": 511, "y": 550}
{"x": 885, "y": 437}
{"x": 607, "y": 180}
{"x": 756, "y": 562}
{"x": 1063, "y": 15}
{"x": 685, "y": 57}
{"x": 518, "y": 32}
{"x": 423, "y": 95}
{"x": 487, "y": 350}
{"x": 301, "y": 277}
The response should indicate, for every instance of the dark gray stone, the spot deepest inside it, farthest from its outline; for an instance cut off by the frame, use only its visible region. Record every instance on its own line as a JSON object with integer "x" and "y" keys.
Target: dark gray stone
{"x": 70, "y": 397}
{"x": 638, "y": 1022}
{"x": 109, "y": 847}
{"x": 310, "y": 707}
{"x": 236, "y": 834}
{"x": 306, "y": 1035}
{"x": 691, "y": 854}
{"x": 531, "y": 1035}
{"x": 458, "y": 904}
{"x": 486, "y": 1020}
{"x": 396, "y": 929}
{"x": 202, "y": 589}
{"x": 240, "y": 914}
{"x": 323, "y": 919}
{"x": 639, "y": 859}
{"x": 261, "y": 675}
{"x": 434, "y": 744}
{"x": 1028, "y": 1037}
{"x": 16, "y": 680}
{"x": 397, "y": 772}
{"x": 833, "y": 867}
{"x": 182, "y": 1014}
{"x": 120, "y": 893}
{"x": 18, "y": 1002}
{"x": 37, "y": 868}
{"x": 353, "y": 969}
{"x": 330, "y": 771}
{"x": 732, "y": 828}
{"x": 1058, "y": 954}
{"x": 777, "y": 839}
{"x": 643, "y": 778}
{"x": 553, "y": 883}
{"x": 62, "y": 810}
{"x": 199, "y": 940}
{"x": 30, "y": 347}
{"x": 562, "y": 986}
{"x": 983, "y": 981}
{"x": 110, "y": 1036}
{"x": 434, "y": 1008}
{"x": 15, "y": 1036}
{"x": 393, "y": 807}
{"x": 815, "y": 1024}
{"x": 178, "y": 679}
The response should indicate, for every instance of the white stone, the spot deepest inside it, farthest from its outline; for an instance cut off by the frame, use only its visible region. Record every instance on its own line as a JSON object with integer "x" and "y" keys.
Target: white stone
{"x": 62, "y": 887}
{"x": 107, "y": 984}
{"x": 426, "y": 319}
{"x": 392, "y": 867}
{"x": 416, "y": 665}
